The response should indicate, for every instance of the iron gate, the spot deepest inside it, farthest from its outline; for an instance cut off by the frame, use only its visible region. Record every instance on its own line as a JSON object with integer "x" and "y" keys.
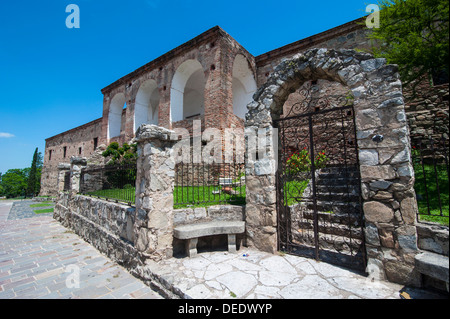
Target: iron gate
{"x": 318, "y": 184}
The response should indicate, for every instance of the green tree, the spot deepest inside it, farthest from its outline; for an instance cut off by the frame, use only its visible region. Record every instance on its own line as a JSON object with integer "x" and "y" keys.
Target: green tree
{"x": 126, "y": 154}
{"x": 2, "y": 190}
{"x": 14, "y": 182}
{"x": 33, "y": 179}
{"x": 414, "y": 34}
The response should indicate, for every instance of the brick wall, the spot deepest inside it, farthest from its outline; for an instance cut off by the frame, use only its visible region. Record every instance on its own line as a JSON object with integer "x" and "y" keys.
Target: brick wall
{"x": 76, "y": 142}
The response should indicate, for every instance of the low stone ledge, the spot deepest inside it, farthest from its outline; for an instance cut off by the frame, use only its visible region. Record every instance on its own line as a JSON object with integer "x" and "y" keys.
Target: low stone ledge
{"x": 433, "y": 238}
{"x": 112, "y": 245}
{"x": 209, "y": 229}
{"x": 433, "y": 265}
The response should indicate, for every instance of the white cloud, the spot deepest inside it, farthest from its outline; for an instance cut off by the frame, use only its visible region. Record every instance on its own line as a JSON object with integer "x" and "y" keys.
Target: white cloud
{"x": 6, "y": 135}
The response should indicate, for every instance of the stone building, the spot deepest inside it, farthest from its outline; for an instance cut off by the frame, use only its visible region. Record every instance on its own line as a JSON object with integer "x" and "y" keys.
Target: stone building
{"x": 322, "y": 94}
{"x": 211, "y": 78}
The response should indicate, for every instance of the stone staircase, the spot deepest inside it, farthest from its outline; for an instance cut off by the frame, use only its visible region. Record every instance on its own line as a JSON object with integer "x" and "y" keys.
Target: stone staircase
{"x": 338, "y": 211}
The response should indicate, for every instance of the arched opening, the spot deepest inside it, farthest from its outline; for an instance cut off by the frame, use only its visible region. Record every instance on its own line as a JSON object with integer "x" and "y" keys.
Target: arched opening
{"x": 187, "y": 91}
{"x": 374, "y": 115}
{"x": 146, "y": 104}
{"x": 115, "y": 115}
{"x": 244, "y": 86}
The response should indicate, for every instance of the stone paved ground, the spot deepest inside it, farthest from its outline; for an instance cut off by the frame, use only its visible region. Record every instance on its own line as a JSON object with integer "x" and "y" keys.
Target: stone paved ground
{"x": 251, "y": 274}
{"x": 39, "y": 258}
{"x": 22, "y": 209}
{"x": 257, "y": 275}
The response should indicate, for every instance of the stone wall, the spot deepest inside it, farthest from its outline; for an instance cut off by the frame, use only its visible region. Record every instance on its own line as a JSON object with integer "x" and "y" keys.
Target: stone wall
{"x": 386, "y": 168}
{"x": 136, "y": 236}
{"x": 81, "y": 137}
{"x": 427, "y": 112}
{"x": 107, "y": 226}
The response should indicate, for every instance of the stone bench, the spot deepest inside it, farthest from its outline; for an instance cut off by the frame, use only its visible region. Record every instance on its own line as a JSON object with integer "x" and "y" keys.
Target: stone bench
{"x": 433, "y": 265}
{"x": 192, "y": 232}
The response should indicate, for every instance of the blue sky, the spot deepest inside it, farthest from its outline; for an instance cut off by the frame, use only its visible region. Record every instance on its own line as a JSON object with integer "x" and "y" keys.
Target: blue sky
{"x": 51, "y": 76}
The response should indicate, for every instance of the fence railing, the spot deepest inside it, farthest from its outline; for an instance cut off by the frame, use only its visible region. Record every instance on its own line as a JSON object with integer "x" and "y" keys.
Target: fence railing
{"x": 200, "y": 184}
{"x": 111, "y": 182}
{"x": 430, "y": 160}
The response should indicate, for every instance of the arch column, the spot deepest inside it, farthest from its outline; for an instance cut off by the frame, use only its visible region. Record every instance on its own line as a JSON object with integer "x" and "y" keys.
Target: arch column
{"x": 386, "y": 170}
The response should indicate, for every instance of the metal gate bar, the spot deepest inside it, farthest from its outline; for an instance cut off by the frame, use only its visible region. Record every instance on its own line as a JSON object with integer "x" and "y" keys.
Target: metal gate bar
{"x": 348, "y": 222}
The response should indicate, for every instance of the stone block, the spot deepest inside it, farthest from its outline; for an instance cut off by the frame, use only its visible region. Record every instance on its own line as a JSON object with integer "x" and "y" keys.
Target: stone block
{"x": 376, "y": 212}
{"x": 226, "y": 212}
{"x": 433, "y": 238}
{"x": 368, "y": 157}
{"x": 371, "y": 233}
{"x": 407, "y": 237}
{"x": 409, "y": 209}
{"x": 380, "y": 172}
{"x": 433, "y": 265}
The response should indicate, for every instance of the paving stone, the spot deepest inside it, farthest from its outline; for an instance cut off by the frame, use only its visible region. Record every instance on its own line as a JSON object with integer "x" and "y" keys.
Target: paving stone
{"x": 35, "y": 253}
{"x": 311, "y": 287}
{"x": 238, "y": 282}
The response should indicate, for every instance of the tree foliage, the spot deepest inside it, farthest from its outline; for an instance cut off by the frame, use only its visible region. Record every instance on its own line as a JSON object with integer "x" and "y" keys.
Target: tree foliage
{"x": 14, "y": 182}
{"x": 125, "y": 154}
{"x": 33, "y": 185}
{"x": 18, "y": 182}
{"x": 414, "y": 34}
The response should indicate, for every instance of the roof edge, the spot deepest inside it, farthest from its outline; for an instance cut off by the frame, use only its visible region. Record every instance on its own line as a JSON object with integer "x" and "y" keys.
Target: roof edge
{"x": 311, "y": 40}
{"x": 203, "y": 37}
{"x": 76, "y": 128}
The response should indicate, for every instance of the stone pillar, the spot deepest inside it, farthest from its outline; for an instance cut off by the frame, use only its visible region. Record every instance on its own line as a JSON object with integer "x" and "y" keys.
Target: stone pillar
{"x": 260, "y": 180}
{"x": 153, "y": 227}
{"x": 76, "y": 165}
{"x": 63, "y": 168}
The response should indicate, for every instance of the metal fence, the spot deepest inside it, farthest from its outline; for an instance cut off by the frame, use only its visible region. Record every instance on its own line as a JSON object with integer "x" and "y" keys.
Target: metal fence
{"x": 200, "y": 184}
{"x": 111, "y": 182}
{"x": 430, "y": 160}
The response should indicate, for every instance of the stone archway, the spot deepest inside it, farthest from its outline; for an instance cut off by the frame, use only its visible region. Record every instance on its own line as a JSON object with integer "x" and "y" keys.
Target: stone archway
{"x": 116, "y": 107}
{"x": 187, "y": 91}
{"x": 146, "y": 106}
{"x": 382, "y": 134}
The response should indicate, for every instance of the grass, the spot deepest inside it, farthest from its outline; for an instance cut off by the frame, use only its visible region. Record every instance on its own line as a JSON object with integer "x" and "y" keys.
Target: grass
{"x": 202, "y": 196}
{"x": 126, "y": 195}
{"x": 43, "y": 204}
{"x": 426, "y": 183}
{"x": 194, "y": 196}
{"x": 44, "y": 211}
